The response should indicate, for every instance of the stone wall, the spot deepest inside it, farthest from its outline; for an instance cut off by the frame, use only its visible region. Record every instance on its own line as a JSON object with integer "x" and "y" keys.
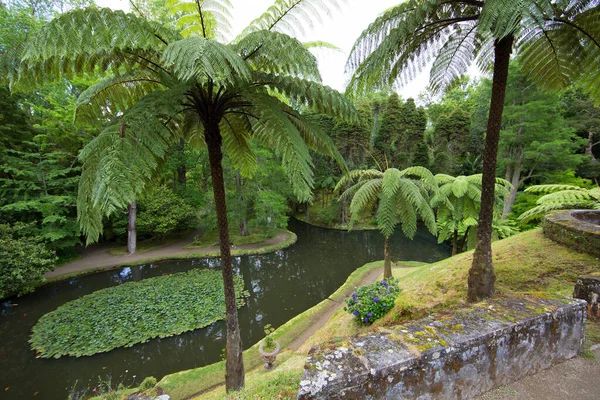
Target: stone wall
{"x": 577, "y": 229}
{"x": 451, "y": 357}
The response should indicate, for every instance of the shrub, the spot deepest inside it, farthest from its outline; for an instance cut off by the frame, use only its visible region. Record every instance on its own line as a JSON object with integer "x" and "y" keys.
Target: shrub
{"x": 148, "y": 383}
{"x": 371, "y": 302}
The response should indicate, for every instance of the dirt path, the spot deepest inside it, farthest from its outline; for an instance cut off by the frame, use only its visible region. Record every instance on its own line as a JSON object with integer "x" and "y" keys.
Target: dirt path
{"x": 576, "y": 378}
{"x": 333, "y": 307}
{"x": 99, "y": 256}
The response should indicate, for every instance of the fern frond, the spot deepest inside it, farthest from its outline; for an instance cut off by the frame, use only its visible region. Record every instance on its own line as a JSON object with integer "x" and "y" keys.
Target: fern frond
{"x": 196, "y": 58}
{"x": 277, "y": 53}
{"x": 114, "y": 95}
{"x": 293, "y": 17}
{"x": 550, "y": 188}
{"x": 83, "y": 40}
{"x": 210, "y": 19}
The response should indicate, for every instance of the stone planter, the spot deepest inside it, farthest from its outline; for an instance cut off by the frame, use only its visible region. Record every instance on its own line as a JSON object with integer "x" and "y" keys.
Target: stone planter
{"x": 588, "y": 289}
{"x": 269, "y": 357}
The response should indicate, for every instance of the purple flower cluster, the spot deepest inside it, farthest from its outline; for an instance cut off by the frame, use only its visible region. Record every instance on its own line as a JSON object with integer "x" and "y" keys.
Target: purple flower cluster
{"x": 369, "y": 303}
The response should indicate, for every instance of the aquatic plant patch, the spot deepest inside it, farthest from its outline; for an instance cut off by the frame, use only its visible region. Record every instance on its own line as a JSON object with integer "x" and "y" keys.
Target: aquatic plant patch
{"x": 371, "y": 302}
{"x": 132, "y": 313}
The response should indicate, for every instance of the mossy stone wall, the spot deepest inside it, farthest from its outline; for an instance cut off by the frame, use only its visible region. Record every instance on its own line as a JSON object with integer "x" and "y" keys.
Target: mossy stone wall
{"x": 477, "y": 349}
{"x": 577, "y": 229}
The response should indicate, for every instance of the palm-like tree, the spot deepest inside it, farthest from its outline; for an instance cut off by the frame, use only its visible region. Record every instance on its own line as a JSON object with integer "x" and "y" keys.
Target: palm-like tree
{"x": 558, "y": 40}
{"x": 458, "y": 207}
{"x": 400, "y": 197}
{"x": 167, "y": 81}
{"x": 560, "y": 197}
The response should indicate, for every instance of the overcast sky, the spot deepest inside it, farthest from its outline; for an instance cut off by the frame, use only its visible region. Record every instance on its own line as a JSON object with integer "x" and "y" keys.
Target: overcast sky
{"x": 342, "y": 30}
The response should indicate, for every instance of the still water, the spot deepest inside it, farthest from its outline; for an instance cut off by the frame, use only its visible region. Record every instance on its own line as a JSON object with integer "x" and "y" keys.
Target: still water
{"x": 281, "y": 285}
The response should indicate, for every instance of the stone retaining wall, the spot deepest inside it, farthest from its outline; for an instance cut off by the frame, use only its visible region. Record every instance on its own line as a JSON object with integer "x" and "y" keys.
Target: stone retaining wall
{"x": 453, "y": 357}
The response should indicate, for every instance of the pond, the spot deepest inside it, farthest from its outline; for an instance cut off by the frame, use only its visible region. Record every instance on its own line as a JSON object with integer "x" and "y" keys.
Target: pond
{"x": 281, "y": 284}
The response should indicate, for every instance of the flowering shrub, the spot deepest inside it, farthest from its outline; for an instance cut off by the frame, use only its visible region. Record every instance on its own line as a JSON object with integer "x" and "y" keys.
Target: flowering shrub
{"x": 371, "y": 302}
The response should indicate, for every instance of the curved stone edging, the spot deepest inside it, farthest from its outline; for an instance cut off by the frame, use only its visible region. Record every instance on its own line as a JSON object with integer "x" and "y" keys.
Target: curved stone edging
{"x": 571, "y": 228}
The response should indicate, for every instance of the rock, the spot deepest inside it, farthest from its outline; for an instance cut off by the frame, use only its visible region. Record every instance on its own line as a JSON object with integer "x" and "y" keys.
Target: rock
{"x": 588, "y": 288}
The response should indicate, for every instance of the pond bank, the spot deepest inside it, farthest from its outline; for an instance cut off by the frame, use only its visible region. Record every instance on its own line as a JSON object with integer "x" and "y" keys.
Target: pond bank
{"x": 99, "y": 258}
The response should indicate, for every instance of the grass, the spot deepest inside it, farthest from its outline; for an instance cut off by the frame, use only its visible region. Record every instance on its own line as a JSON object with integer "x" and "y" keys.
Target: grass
{"x": 211, "y": 238}
{"x": 527, "y": 263}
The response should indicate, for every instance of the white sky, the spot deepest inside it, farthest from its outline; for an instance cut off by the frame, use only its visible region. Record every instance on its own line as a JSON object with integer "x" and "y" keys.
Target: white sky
{"x": 342, "y": 31}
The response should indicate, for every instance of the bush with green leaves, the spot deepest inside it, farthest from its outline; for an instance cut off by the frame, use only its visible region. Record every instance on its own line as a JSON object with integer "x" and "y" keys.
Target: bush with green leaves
{"x": 371, "y": 302}
{"x": 24, "y": 258}
{"x": 132, "y": 313}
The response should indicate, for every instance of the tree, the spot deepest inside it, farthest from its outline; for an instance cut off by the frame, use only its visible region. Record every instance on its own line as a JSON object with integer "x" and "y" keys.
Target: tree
{"x": 458, "y": 207}
{"x": 559, "y": 42}
{"x": 399, "y": 198}
{"x": 451, "y": 136}
{"x": 164, "y": 83}
{"x": 388, "y": 141}
{"x": 534, "y": 139}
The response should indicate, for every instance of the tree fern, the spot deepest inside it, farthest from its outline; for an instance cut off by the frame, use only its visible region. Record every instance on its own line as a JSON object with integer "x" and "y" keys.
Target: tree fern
{"x": 560, "y": 197}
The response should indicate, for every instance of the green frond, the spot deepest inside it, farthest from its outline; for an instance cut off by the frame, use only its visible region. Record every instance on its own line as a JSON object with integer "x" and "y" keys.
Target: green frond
{"x": 455, "y": 56}
{"x": 318, "y": 44}
{"x": 278, "y": 54}
{"x": 312, "y": 95}
{"x": 196, "y": 58}
{"x": 387, "y": 215}
{"x": 360, "y": 174}
{"x": 84, "y": 40}
{"x": 113, "y": 95}
{"x": 293, "y": 17}
{"x": 236, "y": 130}
{"x": 119, "y": 162}
{"x": 399, "y": 43}
{"x": 392, "y": 179}
{"x": 502, "y": 17}
{"x": 365, "y": 196}
{"x": 550, "y": 188}
{"x": 287, "y": 143}
{"x": 210, "y": 19}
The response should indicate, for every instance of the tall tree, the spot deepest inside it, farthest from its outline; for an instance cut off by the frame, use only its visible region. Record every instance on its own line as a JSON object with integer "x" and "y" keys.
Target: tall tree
{"x": 558, "y": 40}
{"x": 388, "y": 142}
{"x": 399, "y": 197}
{"x": 165, "y": 83}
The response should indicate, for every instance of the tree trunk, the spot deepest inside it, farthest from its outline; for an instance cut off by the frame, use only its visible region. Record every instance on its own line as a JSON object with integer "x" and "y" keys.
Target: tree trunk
{"x": 234, "y": 366}
{"x": 307, "y": 210}
{"x": 509, "y": 199}
{"x": 588, "y": 150}
{"x": 387, "y": 259}
{"x": 463, "y": 244}
{"x": 481, "y": 274}
{"x": 131, "y": 228}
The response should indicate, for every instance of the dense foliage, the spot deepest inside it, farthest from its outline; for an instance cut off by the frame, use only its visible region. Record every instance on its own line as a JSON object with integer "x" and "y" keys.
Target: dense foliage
{"x": 24, "y": 259}
{"x": 132, "y": 313}
{"x": 371, "y": 302}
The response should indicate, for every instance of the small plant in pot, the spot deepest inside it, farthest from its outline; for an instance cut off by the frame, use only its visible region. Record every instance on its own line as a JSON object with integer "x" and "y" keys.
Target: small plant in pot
{"x": 269, "y": 348}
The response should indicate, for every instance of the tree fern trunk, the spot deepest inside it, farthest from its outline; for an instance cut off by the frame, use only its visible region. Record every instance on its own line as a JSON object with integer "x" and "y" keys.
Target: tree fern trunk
{"x": 481, "y": 274}
{"x": 234, "y": 367}
{"x": 131, "y": 228}
{"x": 387, "y": 257}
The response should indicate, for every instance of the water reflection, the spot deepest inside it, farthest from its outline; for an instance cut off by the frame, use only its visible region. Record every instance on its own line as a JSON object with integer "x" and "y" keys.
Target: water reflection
{"x": 280, "y": 285}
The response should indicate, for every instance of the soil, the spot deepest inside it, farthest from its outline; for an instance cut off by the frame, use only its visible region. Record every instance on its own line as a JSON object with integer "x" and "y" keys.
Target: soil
{"x": 96, "y": 257}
